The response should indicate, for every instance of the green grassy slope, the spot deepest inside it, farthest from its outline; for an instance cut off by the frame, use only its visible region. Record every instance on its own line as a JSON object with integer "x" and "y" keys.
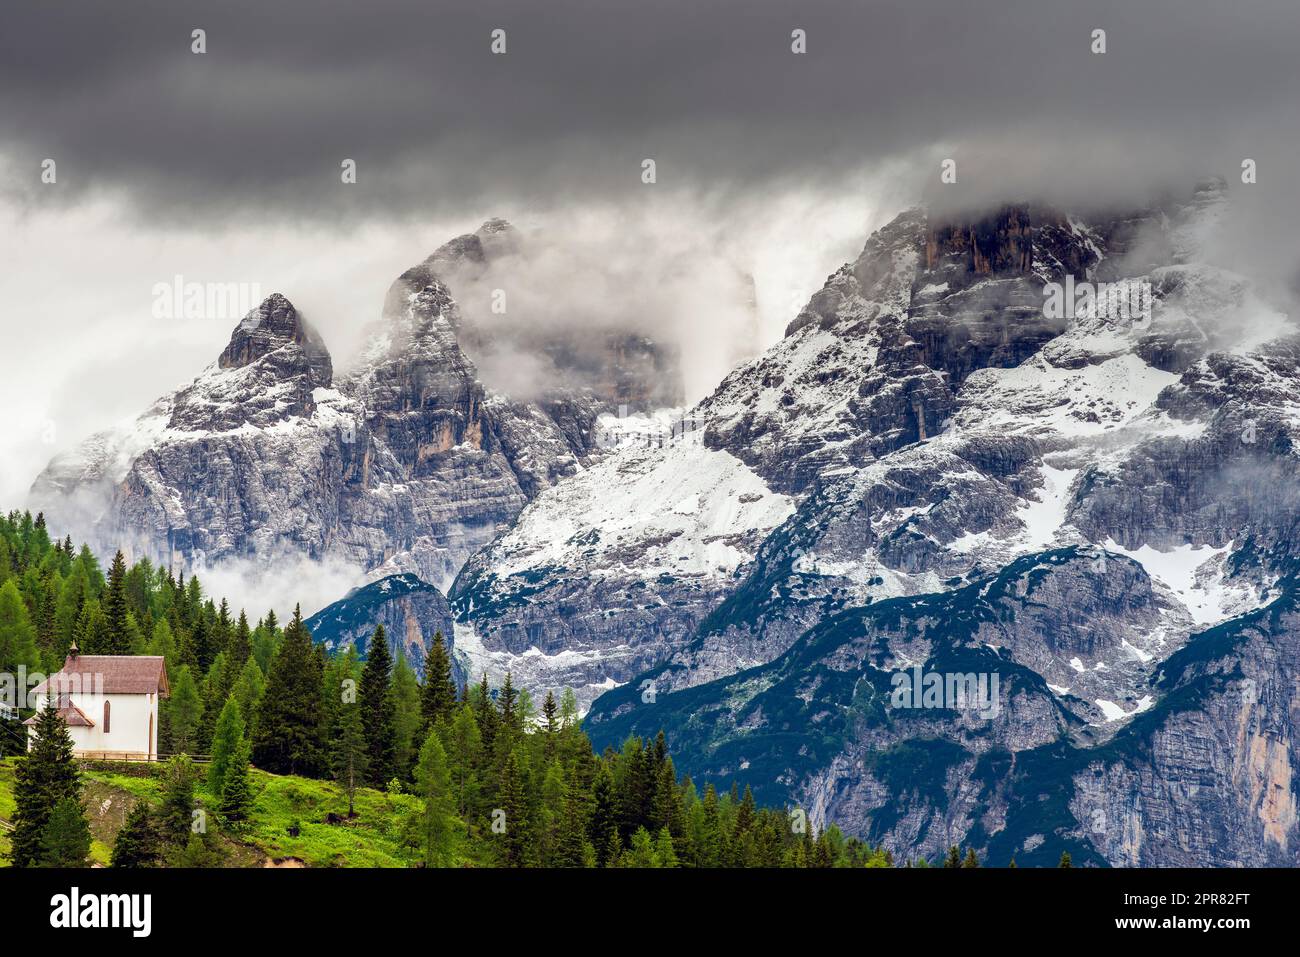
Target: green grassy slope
{"x": 379, "y": 836}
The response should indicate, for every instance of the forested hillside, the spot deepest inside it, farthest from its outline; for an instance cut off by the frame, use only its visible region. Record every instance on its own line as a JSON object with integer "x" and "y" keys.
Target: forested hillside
{"x": 335, "y": 761}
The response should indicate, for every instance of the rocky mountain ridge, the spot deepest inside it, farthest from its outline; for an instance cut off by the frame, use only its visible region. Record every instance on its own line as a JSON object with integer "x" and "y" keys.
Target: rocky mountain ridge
{"x": 969, "y": 484}
{"x": 859, "y": 400}
{"x": 402, "y": 462}
{"x": 1090, "y": 512}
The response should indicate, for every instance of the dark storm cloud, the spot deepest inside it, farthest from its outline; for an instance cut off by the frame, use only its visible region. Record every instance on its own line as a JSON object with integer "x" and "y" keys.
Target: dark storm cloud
{"x": 436, "y": 123}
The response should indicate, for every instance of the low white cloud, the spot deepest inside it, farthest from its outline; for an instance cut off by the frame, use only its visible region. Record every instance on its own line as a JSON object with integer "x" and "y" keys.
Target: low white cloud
{"x": 257, "y": 586}
{"x": 83, "y": 350}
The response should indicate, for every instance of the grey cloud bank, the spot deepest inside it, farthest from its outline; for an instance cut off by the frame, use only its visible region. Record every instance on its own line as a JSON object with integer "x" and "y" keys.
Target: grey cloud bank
{"x": 437, "y": 123}
{"x": 224, "y": 166}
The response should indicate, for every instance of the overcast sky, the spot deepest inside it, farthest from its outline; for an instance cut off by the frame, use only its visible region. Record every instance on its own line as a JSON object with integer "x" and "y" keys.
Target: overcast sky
{"x": 225, "y": 166}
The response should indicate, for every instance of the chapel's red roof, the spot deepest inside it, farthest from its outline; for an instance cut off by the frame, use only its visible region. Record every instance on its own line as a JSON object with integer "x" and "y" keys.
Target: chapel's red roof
{"x": 109, "y": 674}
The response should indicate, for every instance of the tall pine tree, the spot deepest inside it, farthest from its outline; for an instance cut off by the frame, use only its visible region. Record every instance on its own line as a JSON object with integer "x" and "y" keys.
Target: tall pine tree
{"x": 289, "y": 718}
{"x": 438, "y": 696}
{"x": 241, "y": 643}
{"x": 515, "y": 847}
{"x": 236, "y": 789}
{"x": 116, "y": 610}
{"x": 377, "y": 710}
{"x": 176, "y": 821}
{"x": 137, "y": 841}
{"x": 485, "y": 713}
{"x": 348, "y": 751}
{"x": 45, "y": 777}
{"x": 406, "y": 719}
{"x": 65, "y": 839}
{"x": 185, "y": 713}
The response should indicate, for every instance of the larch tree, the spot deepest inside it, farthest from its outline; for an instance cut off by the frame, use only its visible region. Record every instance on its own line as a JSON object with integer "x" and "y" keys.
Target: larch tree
{"x": 407, "y": 719}
{"x": 438, "y": 821}
{"x": 227, "y": 739}
{"x": 185, "y": 712}
{"x": 17, "y": 635}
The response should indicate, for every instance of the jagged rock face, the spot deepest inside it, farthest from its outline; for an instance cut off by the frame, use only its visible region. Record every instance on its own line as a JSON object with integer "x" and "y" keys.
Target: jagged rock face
{"x": 261, "y": 459}
{"x": 869, "y": 368}
{"x": 1002, "y": 243}
{"x": 821, "y": 723}
{"x": 613, "y": 568}
{"x": 465, "y": 257}
{"x": 874, "y": 361}
{"x": 1158, "y": 455}
{"x": 431, "y": 483}
{"x": 929, "y": 422}
{"x": 1202, "y": 776}
{"x": 1208, "y": 779}
{"x": 269, "y": 327}
{"x": 402, "y": 463}
{"x": 1232, "y": 476}
{"x": 1082, "y": 441}
{"x": 544, "y": 440}
{"x": 246, "y": 460}
{"x": 813, "y": 403}
{"x": 417, "y": 387}
{"x": 621, "y": 368}
{"x": 412, "y": 612}
{"x": 268, "y": 374}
